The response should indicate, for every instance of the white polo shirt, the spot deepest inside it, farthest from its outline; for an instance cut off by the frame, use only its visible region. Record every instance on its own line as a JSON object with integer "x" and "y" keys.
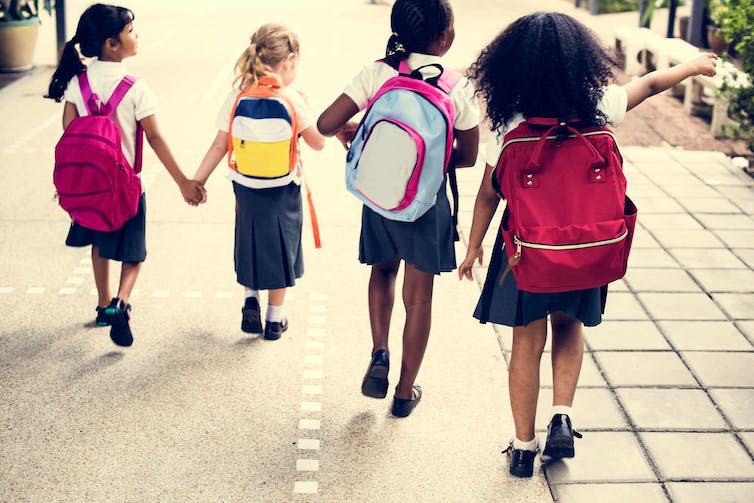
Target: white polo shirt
{"x": 138, "y": 103}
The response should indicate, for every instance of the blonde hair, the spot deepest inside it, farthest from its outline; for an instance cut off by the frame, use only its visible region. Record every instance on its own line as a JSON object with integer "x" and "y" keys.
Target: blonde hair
{"x": 269, "y": 45}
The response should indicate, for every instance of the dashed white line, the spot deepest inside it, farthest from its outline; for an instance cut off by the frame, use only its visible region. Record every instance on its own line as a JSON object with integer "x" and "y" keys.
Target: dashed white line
{"x": 6, "y": 289}
{"x": 224, "y": 295}
{"x": 309, "y": 424}
{"x": 317, "y": 308}
{"x": 315, "y": 345}
{"x": 307, "y": 465}
{"x": 192, "y": 294}
{"x": 67, "y": 291}
{"x": 313, "y": 374}
{"x": 314, "y": 359}
{"x": 75, "y": 280}
{"x": 308, "y": 444}
{"x": 315, "y": 332}
{"x": 316, "y": 320}
{"x": 36, "y": 290}
{"x": 305, "y": 487}
{"x": 312, "y": 389}
{"x": 161, "y": 293}
{"x": 311, "y": 407}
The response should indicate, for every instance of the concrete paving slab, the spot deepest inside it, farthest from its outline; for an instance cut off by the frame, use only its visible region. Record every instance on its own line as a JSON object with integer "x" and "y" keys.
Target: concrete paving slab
{"x": 691, "y": 190}
{"x": 671, "y": 409}
{"x": 747, "y": 327}
{"x": 660, "y": 280}
{"x": 705, "y": 336}
{"x": 651, "y": 258}
{"x": 610, "y": 493}
{"x": 678, "y": 457}
{"x": 623, "y": 306}
{"x": 652, "y": 205}
{"x": 590, "y": 375}
{"x": 644, "y": 369}
{"x": 740, "y": 306}
{"x": 643, "y": 239}
{"x": 697, "y": 492}
{"x": 722, "y": 369}
{"x": 681, "y": 306}
{"x": 669, "y": 238}
{"x": 746, "y": 255}
{"x": 670, "y": 221}
{"x": 736, "y": 405}
{"x": 594, "y": 409}
{"x": 625, "y": 335}
{"x": 725, "y": 280}
{"x": 706, "y": 205}
{"x": 748, "y": 438}
{"x": 737, "y": 238}
{"x": 596, "y": 460}
{"x": 712, "y": 258}
{"x": 725, "y": 222}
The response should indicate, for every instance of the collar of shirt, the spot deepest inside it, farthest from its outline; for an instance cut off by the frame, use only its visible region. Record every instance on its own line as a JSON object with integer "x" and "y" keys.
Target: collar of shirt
{"x": 417, "y": 59}
{"x": 108, "y": 67}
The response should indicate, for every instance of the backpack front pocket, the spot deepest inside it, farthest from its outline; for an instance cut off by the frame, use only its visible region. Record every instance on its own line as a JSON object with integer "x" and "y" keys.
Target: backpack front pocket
{"x": 389, "y": 165}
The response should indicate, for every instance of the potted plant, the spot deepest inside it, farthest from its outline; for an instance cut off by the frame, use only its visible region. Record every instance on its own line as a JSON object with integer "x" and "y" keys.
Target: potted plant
{"x": 716, "y": 11}
{"x": 19, "y": 27}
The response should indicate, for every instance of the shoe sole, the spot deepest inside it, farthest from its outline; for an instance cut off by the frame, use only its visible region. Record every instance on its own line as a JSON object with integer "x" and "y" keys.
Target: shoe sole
{"x": 375, "y": 383}
{"x": 273, "y": 336}
{"x": 522, "y": 474}
{"x": 252, "y": 323}
{"x": 559, "y": 447}
{"x": 116, "y": 326}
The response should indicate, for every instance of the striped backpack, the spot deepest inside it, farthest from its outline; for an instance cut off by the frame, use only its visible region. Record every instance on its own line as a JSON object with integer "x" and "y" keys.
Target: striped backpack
{"x": 401, "y": 150}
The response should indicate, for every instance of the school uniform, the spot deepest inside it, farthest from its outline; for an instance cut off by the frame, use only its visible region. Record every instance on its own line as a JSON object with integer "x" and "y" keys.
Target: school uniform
{"x": 427, "y": 243}
{"x": 127, "y": 244}
{"x": 267, "y": 252}
{"x": 502, "y": 302}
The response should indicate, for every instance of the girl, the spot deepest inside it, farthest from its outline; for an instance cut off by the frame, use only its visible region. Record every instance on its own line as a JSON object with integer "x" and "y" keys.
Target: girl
{"x": 106, "y": 33}
{"x": 268, "y": 254}
{"x": 570, "y": 79}
{"x": 422, "y": 33}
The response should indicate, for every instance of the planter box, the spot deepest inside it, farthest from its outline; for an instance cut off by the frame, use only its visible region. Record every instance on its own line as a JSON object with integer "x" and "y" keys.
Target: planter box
{"x": 18, "y": 39}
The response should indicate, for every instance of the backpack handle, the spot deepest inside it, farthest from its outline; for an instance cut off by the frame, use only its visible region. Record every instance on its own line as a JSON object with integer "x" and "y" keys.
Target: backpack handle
{"x": 95, "y": 106}
{"x": 535, "y": 162}
{"x": 445, "y": 80}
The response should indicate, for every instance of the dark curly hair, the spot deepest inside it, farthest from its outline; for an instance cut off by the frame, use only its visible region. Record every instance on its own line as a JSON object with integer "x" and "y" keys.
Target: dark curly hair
{"x": 546, "y": 64}
{"x": 416, "y": 25}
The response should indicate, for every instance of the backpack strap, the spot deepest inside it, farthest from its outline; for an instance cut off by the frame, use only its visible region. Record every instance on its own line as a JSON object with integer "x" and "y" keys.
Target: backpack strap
{"x": 446, "y": 81}
{"x": 535, "y": 162}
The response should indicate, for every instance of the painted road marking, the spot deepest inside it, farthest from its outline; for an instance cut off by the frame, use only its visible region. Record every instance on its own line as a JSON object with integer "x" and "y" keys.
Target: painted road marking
{"x": 309, "y": 424}
{"x": 307, "y": 465}
{"x": 313, "y": 374}
{"x": 311, "y": 406}
{"x": 6, "y": 289}
{"x": 308, "y": 444}
{"x": 305, "y": 487}
{"x": 312, "y": 389}
{"x": 36, "y": 290}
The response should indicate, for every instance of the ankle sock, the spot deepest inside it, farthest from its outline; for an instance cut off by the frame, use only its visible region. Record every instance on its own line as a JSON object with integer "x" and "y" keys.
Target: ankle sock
{"x": 531, "y": 445}
{"x": 248, "y": 292}
{"x": 274, "y": 313}
{"x": 562, "y": 409}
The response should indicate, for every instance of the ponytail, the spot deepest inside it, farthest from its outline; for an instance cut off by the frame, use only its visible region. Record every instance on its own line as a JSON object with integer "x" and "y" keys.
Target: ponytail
{"x": 395, "y": 51}
{"x": 416, "y": 25}
{"x": 268, "y": 46}
{"x": 70, "y": 64}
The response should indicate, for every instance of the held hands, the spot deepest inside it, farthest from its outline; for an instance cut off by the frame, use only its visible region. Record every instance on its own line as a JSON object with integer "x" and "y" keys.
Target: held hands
{"x": 472, "y": 254}
{"x": 193, "y": 192}
{"x": 705, "y": 64}
{"x": 346, "y": 134}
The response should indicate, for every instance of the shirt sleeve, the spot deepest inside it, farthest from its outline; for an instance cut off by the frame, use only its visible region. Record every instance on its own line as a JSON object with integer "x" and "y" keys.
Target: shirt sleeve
{"x": 493, "y": 149}
{"x": 145, "y": 100}
{"x": 366, "y": 83}
{"x": 614, "y": 103}
{"x": 72, "y": 95}
{"x": 222, "y": 121}
{"x": 467, "y": 109}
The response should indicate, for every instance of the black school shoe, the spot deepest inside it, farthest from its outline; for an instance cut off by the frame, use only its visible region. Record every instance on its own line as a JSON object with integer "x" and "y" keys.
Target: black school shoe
{"x": 560, "y": 435}
{"x": 274, "y": 329}
{"x": 403, "y": 407}
{"x": 521, "y": 461}
{"x": 251, "y": 319}
{"x": 120, "y": 313}
{"x": 375, "y": 381}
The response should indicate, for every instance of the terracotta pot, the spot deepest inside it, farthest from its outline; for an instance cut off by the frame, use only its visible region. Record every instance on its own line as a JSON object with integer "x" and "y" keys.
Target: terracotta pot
{"x": 715, "y": 41}
{"x": 18, "y": 39}
{"x": 683, "y": 27}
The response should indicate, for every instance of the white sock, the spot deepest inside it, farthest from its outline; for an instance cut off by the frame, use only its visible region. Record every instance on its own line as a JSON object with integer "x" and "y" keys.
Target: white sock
{"x": 248, "y": 292}
{"x": 274, "y": 313}
{"x": 531, "y": 445}
{"x": 563, "y": 409}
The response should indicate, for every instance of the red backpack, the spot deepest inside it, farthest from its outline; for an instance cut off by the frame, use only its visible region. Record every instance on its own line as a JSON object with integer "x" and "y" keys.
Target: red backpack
{"x": 94, "y": 181}
{"x": 568, "y": 224}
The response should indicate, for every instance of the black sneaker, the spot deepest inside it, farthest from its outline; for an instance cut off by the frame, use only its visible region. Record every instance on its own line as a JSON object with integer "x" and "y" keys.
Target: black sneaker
{"x": 251, "y": 320}
{"x": 120, "y": 313}
{"x": 521, "y": 461}
{"x": 274, "y": 329}
{"x": 560, "y": 435}
{"x": 103, "y": 319}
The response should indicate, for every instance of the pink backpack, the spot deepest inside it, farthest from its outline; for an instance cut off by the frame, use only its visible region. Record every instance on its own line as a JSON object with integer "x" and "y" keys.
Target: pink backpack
{"x": 94, "y": 181}
{"x": 568, "y": 223}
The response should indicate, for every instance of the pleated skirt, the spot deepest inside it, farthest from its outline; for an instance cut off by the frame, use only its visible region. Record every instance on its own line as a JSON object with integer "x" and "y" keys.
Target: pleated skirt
{"x": 504, "y": 304}
{"x": 127, "y": 244}
{"x": 268, "y": 253}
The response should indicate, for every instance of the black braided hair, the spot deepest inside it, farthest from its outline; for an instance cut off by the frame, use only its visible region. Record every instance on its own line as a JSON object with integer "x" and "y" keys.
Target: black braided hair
{"x": 416, "y": 25}
{"x": 545, "y": 64}
{"x": 98, "y": 23}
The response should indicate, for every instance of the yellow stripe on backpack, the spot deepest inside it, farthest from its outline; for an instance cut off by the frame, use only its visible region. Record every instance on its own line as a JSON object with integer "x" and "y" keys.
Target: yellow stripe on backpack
{"x": 262, "y": 160}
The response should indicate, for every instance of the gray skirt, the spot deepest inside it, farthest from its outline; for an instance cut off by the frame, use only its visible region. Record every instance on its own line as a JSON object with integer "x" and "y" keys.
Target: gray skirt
{"x": 426, "y": 243}
{"x": 504, "y": 304}
{"x": 268, "y": 253}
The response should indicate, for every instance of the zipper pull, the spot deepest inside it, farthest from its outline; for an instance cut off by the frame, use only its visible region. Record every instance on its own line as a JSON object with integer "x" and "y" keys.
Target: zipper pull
{"x": 516, "y": 258}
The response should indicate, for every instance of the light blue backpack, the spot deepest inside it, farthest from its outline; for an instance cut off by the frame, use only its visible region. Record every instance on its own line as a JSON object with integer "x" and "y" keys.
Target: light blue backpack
{"x": 400, "y": 152}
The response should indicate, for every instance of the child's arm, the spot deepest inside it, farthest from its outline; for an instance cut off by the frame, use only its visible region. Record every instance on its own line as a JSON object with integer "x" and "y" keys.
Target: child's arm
{"x": 655, "y": 82}
{"x": 313, "y": 137}
{"x": 467, "y": 147}
{"x": 334, "y": 120}
{"x": 484, "y": 209}
{"x": 212, "y": 158}
{"x": 69, "y": 113}
{"x": 191, "y": 190}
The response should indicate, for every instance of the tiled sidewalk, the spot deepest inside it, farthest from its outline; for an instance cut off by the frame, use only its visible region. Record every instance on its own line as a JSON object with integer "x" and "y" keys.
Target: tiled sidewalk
{"x": 666, "y": 389}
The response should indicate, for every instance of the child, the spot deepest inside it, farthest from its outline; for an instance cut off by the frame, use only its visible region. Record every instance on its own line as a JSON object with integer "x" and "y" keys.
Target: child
{"x": 268, "y": 254}
{"x": 106, "y": 33}
{"x": 422, "y": 33}
{"x": 569, "y": 79}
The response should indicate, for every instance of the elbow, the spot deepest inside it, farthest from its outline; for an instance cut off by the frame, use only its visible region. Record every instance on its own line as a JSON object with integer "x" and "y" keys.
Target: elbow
{"x": 324, "y": 128}
{"x": 466, "y": 160}
{"x": 317, "y": 144}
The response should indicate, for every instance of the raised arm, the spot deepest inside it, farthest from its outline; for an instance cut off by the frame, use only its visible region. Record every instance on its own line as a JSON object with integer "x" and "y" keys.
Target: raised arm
{"x": 655, "y": 82}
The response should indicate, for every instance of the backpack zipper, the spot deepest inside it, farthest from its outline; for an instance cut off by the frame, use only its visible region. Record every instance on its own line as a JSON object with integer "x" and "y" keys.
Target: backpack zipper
{"x": 577, "y": 246}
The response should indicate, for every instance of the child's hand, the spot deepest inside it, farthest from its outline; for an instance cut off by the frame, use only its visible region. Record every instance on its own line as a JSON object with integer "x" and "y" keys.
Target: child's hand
{"x": 193, "y": 192}
{"x": 705, "y": 64}
{"x": 466, "y": 266}
{"x": 346, "y": 133}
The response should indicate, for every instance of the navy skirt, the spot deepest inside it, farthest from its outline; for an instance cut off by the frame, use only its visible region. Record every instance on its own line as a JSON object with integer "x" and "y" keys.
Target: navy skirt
{"x": 426, "y": 243}
{"x": 504, "y": 304}
{"x": 268, "y": 252}
{"x": 127, "y": 244}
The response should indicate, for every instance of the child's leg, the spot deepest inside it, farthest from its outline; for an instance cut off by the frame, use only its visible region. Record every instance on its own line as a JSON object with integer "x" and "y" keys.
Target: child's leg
{"x": 381, "y": 300}
{"x": 275, "y": 299}
{"x": 101, "y": 267}
{"x": 129, "y": 271}
{"x": 417, "y": 299}
{"x": 567, "y": 355}
{"x": 523, "y": 375}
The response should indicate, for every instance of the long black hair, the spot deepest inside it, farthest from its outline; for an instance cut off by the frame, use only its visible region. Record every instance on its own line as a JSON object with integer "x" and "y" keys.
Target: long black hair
{"x": 416, "y": 25}
{"x": 98, "y": 23}
{"x": 545, "y": 64}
